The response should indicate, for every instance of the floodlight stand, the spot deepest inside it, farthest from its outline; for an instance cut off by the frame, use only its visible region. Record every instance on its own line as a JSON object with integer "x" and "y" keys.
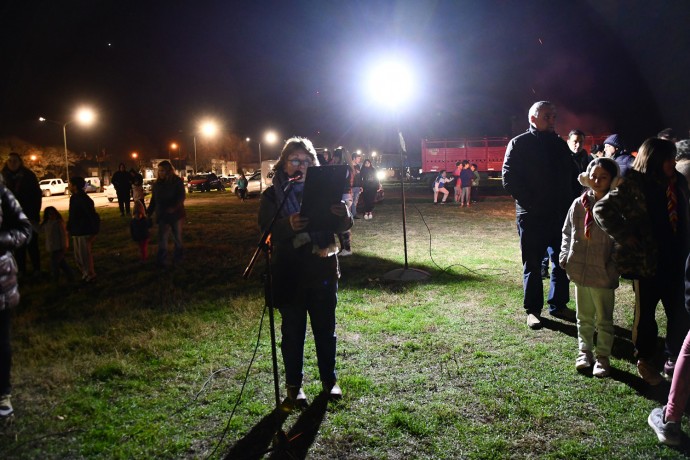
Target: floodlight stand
{"x": 406, "y": 273}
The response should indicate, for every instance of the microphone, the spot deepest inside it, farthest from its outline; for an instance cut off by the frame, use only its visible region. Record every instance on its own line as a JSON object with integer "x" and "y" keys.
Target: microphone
{"x": 296, "y": 176}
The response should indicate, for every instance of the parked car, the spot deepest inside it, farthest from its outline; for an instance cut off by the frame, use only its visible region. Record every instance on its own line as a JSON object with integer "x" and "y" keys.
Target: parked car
{"x": 90, "y": 187}
{"x": 204, "y": 183}
{"x": 253, "y": 184}
{"x": 111, "y": 194}
{"x": 52, "y": 187}
{"x": 148, "y": 185}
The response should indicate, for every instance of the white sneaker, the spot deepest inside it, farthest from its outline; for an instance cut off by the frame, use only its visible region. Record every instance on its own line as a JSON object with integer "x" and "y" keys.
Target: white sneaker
{"x": 345, "y": 252}
{"x": 584, "y": 360}
{"x": 5, "y": 406}
{"x": 602, "y": 368}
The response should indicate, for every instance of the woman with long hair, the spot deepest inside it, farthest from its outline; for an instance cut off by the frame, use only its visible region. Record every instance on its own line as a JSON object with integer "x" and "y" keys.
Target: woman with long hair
{"x": 648, "y": 218}
{"x": 370, "y": 186}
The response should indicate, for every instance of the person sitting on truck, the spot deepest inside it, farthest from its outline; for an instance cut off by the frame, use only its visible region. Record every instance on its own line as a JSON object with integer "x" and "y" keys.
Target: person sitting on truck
{"x": 440, "y": 186}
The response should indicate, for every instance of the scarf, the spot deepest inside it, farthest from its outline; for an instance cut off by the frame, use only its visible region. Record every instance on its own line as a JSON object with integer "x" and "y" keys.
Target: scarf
{"x": 323, "y": 242}
{"x": 672, "y": 204}
{"x": 589, "y": 218}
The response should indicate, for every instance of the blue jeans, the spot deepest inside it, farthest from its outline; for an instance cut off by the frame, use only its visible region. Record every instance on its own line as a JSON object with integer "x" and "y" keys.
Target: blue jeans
{"x": 538, "y": 235}
{"x": 165, "y": 231}
{"x": 320, "y": 305}
{"x": 356, "y": 191}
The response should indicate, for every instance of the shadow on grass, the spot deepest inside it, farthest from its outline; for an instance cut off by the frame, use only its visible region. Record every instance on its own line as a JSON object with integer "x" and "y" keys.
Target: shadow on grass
{"x": 294, "y": 444}
{"x": 623, "y": 349}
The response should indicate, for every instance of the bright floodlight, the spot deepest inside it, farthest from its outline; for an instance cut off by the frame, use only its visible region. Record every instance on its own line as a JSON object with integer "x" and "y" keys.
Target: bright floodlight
{"x": 85, "y": 116}
{"x": 391, "y": 84}
{"x": 271, "y": 137}
{"x": 208, "y": 128}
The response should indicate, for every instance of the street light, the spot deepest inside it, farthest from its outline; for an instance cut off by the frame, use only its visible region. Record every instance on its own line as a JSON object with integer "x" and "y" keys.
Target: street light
{"x": 84, "y": 116}
{"x": 390, "y": 84}
{"x": 270, "y": 137}
{"x": 207, "y": 128}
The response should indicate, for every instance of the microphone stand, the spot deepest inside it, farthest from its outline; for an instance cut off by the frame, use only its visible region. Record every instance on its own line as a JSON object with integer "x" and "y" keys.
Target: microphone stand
{"x": 265, "y": 246}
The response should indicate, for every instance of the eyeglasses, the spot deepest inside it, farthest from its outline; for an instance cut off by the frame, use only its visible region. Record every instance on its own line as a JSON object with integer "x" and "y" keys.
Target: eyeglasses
{"x": 297, "y": 163}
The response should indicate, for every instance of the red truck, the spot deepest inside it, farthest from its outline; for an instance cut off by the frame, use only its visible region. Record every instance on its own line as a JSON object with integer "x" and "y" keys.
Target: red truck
{"x": 486, "y": 152}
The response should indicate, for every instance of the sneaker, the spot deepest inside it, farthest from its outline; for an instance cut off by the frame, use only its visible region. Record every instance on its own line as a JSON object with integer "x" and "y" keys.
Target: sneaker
{"x": 345, "y": 252}
{"x": 602, "y": 368}
{"x": 648, "y": 372}
{"x": 5, "y": 406}
{"x": 667, "y": 432}
{"x": 295, "y": 399}
{"x": 669, "y": 367}
{"x": 334, "y": 391}
{"x": 533, "y": 321}
{"x": 584, "y": 360}
{"x": 564, "y": 313}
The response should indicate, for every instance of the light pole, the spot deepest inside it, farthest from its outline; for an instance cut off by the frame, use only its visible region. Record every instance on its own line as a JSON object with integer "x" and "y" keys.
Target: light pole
{"x": 84, "y": 116}
{"x": 207, "y": 128}
{"x": 270, "y": 137}
{"x": 390, "y": 85}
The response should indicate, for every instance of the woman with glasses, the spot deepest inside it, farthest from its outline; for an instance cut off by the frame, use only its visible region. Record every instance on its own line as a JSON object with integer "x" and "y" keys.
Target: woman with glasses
{"x": 304, "y": 271}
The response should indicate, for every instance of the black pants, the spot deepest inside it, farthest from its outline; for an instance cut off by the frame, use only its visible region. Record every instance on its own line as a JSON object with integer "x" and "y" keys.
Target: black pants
{"x": 123, "y": 201}
{"x": 32, "y": 248}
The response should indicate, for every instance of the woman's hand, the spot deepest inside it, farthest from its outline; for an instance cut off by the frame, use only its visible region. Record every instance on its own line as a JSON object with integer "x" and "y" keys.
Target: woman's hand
{"x": 339, "y": 209}
{"x": 298, "y": 222}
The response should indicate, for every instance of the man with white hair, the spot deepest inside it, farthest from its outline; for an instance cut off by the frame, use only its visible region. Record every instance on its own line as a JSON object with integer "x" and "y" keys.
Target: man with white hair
{"x": 538, "y": 171}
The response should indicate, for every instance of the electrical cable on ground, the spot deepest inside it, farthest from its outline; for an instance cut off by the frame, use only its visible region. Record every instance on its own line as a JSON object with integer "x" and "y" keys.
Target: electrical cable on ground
{"x": 244, "y": 383}
{"x": 496, "y": 271}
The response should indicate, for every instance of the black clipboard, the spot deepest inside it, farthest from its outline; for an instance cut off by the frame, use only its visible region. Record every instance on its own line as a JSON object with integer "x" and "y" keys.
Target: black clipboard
{"x": 323, "y": 187}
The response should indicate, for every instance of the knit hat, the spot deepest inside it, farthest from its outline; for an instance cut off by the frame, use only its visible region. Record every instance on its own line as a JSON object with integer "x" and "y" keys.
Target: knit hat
{"x": 615, "y": 140}
{"x": 607, "y": 163}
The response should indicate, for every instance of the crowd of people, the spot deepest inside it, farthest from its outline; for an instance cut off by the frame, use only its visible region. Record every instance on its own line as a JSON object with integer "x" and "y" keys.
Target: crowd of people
{"x": 594, "y": 217}
{"x": 598, "y": 218}
{"x": 20, "y": 225}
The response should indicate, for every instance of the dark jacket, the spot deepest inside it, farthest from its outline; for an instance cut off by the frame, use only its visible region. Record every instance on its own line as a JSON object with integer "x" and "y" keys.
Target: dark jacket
{"x": 357, "y": 179}
{"x": 81, "y": 215}
{"x": 539, "y": 173}
{"x": 167, "y": 200}
{"x": 293, "y": 269}
{"x": 466, "y": 177}
{"x": 638, "y": 209}
{"x": 122, "y": 181}
{"x": 369, "y": 179}
{"x": 624, "y": 160}
{"x": 15, "y": 231}
{"x": 24, "y": 186}
{"x": 139, "y": 228}
{"x": 582, "y": 159}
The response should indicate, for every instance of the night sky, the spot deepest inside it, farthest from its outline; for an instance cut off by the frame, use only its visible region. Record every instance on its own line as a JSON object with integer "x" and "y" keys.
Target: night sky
{"x": 152, "y": 69}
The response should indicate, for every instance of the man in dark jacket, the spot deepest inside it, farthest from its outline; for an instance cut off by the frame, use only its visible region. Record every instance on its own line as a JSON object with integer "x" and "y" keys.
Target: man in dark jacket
{"x": 615, "y": 148}
{"x": 122, "y": 182}
{"x": 576, "y": 142}
{"x": 22, "y": 182}
{"x": 538, "y": 172}
{"x": 167, "y": 202}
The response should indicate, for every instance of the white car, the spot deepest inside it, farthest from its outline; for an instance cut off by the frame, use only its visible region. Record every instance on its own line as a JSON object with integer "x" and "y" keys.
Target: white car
{"x": 253, "y": 184}
{"x": 52, "y": 187}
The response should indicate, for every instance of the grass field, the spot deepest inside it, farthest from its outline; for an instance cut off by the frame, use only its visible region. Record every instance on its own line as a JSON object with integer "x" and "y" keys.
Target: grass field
{"x": 150, "y": 364}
